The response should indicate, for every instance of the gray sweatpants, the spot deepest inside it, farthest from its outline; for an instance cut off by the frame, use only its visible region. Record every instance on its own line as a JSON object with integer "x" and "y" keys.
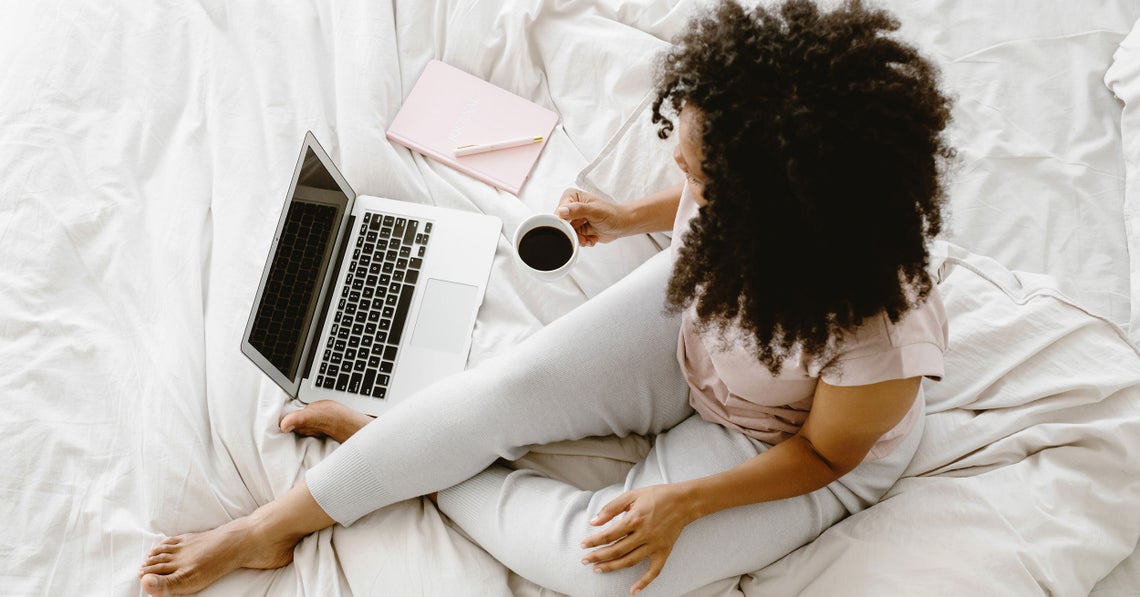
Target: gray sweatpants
{"x": 607, "y": 368}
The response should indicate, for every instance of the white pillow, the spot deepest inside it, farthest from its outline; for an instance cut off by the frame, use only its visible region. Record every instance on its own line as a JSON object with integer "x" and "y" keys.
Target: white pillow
{"x": 1123, "y": 79}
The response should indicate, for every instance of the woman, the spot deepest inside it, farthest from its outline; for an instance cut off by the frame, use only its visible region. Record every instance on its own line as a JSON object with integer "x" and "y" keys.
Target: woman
{"x": 782, "y": 382}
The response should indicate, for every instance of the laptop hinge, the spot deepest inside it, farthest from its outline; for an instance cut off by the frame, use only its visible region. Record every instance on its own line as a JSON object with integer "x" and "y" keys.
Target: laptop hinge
{"x": 331, "y": 295}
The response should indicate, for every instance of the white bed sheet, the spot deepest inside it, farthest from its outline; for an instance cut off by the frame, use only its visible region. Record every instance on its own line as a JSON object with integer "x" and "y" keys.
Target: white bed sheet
{"x": 146, "y": 153}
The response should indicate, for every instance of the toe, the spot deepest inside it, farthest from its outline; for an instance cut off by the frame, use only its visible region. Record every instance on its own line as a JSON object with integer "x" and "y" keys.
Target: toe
{"x": 166, "y": 546}
{"x": 288, "y": 422}
{"x": 154, "y": 584}
{"x": 163, "y": 569}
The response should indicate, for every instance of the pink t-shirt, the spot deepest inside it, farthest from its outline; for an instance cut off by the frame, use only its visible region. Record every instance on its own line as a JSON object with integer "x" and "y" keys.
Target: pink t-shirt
{"x": 732, "y": 388}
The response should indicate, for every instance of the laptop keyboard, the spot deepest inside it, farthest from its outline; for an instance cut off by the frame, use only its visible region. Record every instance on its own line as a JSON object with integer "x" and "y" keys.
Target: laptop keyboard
{"x": 373, "y": 307}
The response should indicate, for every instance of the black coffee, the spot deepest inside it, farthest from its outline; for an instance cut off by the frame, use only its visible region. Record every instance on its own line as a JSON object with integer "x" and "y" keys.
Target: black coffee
{"x": 545, "y": 248}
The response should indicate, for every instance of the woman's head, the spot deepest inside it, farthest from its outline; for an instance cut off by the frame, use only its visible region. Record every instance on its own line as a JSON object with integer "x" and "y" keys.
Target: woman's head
{"x": 819, "y": 148}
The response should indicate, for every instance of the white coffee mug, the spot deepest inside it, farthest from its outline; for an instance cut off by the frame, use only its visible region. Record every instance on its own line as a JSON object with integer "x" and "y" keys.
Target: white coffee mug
{"x": 546, "y": 246}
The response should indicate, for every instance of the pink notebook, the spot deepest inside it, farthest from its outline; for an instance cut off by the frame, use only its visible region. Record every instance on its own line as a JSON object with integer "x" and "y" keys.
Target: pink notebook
{"x": 449, "y": 108}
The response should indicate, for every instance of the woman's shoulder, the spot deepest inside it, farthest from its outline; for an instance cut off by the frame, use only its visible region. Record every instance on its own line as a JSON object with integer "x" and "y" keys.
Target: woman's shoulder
{"x": 881, "y": 349}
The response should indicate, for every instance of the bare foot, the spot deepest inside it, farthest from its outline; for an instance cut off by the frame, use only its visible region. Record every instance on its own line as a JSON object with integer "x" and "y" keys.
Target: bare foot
{"x": 325, "y": 418}
{"x": 191, "y": 562}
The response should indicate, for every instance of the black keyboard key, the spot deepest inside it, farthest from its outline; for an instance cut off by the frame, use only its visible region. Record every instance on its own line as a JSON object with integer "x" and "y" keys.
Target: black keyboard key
{"x": 374, "y": 223}
{"x": 359, "y": 366}
{"x": 412, "y": 276}
{"x": 329, "y": 383}
{"x": 402, "y": 263}
{"x": 375, "y": 362}
{"x": 421, "y": 252}
{"x": 342, "y": 382}
{"x": 427, "y": 227}
{"x": 369, "y": 378}
{"x": 354, "y": 383}
{"x": 401, "y": 314}
{"x": 398, "y": 275}
{"x": 379, "y": 392}
{"x": 389, "y": 220}
{"x": 416, "y": 263}
{"x": 410, "y": 232}
{"x": 385, "y": 367}
{"x": 398, "y": 228}
{"x": 389, "y": 353}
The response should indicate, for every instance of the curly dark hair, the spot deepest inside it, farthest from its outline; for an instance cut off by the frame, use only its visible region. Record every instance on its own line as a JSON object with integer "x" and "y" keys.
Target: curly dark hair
{"x": 823, "y": 153}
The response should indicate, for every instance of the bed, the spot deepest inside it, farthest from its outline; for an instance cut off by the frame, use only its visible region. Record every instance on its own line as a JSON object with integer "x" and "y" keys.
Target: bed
{"x": 146, "y": 153}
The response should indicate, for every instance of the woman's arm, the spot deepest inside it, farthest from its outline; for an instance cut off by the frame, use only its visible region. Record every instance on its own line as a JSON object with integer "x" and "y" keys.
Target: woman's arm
{"x": 656, "y": 212}
{"x": 600, "y": 221}
{"x": 843, "y": 425}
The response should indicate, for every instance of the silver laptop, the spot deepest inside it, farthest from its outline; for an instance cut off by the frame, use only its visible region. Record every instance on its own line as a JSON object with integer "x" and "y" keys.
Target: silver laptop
{"x": 365, "y": 300}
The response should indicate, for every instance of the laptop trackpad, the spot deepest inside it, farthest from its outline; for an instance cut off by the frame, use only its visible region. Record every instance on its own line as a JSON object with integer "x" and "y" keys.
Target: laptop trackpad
{"x": 446, "y": 316}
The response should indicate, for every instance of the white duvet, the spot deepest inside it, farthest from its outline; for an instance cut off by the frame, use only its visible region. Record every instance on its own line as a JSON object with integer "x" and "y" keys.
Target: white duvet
{"x": 146, "y": 151}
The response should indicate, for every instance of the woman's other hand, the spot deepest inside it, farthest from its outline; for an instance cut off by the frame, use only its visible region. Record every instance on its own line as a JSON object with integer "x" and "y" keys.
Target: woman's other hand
{"x": 595, "y": 219}
{"x": 653, "y": 519}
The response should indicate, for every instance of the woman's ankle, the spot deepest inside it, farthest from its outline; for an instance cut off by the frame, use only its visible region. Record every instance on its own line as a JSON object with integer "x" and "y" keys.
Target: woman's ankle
{"x": 291, "y": 517}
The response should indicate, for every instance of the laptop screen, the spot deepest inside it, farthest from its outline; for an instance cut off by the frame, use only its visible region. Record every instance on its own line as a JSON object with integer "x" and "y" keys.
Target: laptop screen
{"x": 291, "y": 291}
